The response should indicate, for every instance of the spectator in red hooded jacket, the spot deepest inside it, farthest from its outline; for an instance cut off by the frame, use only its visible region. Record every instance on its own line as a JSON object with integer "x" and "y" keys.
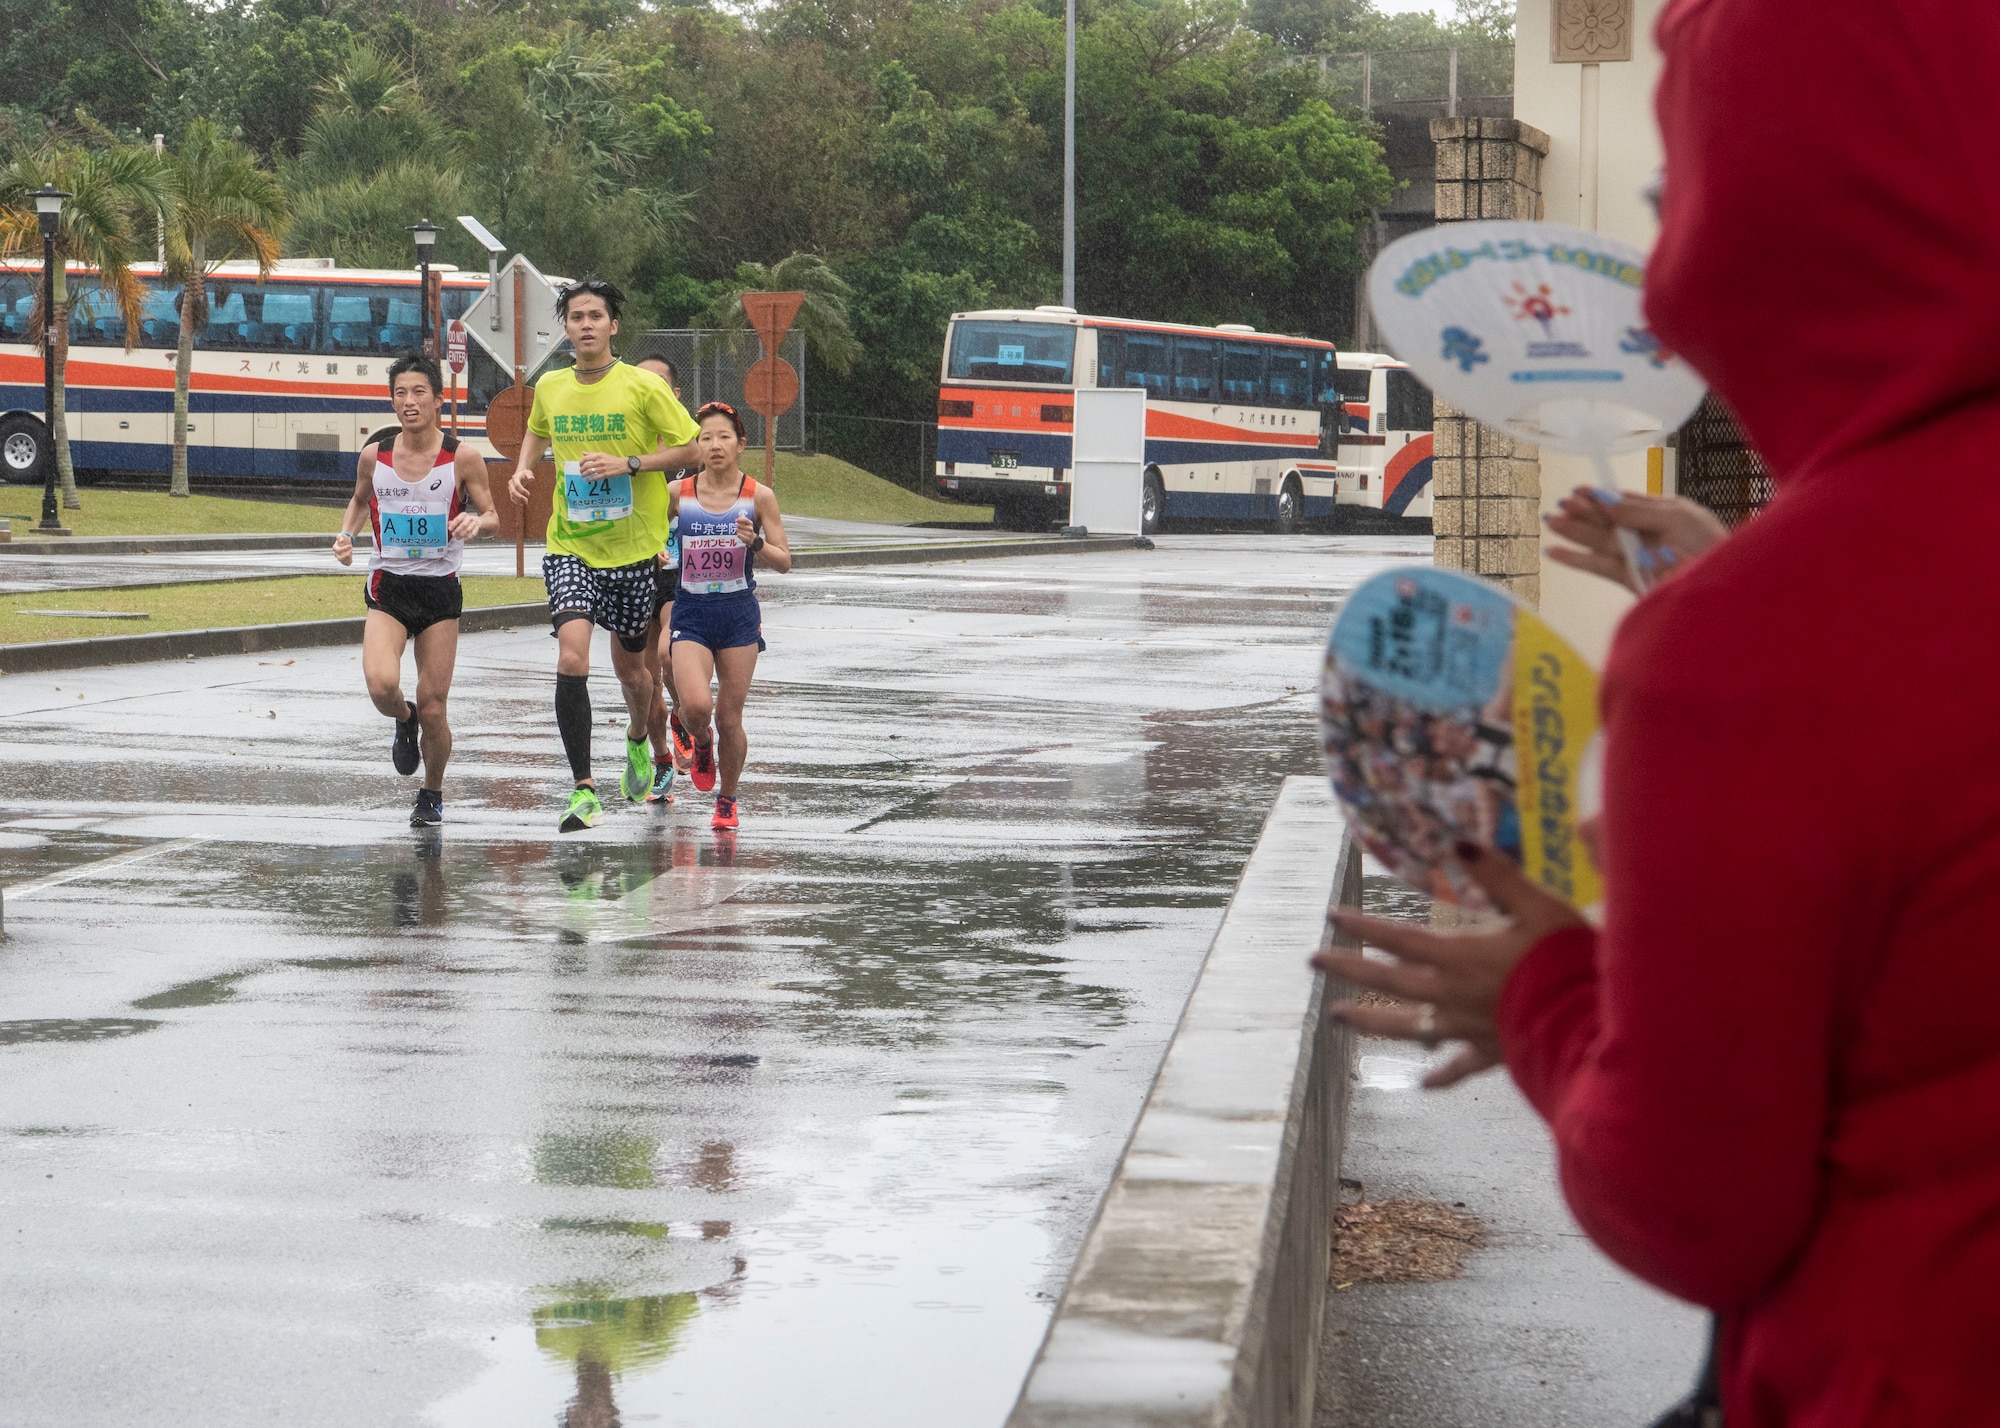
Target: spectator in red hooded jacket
{"x": 1773, "y": 1077}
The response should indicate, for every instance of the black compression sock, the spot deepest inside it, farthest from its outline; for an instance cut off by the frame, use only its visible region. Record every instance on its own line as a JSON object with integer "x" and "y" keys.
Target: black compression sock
{"x": 573, "y": 719}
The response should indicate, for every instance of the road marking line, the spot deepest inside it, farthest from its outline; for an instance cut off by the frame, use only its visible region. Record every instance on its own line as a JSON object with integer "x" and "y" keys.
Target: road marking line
{"x": 102, "y": 865}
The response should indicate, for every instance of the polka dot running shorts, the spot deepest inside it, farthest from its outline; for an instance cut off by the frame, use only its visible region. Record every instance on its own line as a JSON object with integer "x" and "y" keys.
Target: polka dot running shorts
{"x": 618, "y": 598}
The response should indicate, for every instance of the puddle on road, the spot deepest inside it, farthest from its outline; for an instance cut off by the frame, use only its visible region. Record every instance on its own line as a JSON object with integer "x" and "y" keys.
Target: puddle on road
{"x": 90, "y": 1028}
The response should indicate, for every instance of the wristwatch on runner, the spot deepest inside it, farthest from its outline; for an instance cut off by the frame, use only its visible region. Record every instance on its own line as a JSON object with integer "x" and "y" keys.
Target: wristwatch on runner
{"x": 632, "y": 464}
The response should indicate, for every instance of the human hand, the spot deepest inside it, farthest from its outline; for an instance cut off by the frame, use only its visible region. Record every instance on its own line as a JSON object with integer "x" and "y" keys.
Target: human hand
{"x": 343, "y": 548}
{"x": 1454, "y": 977}
{"x": 746, "y": 530}
{"x": 518, "y": 483}
{"x": 463, "y": 526}
{"x": 596, "y": 463}
{"x": 1672, "y": 530}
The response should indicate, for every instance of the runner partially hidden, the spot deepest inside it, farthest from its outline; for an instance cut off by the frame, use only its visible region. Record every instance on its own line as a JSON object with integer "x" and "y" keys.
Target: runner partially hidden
{"x": 672, "y": 749}
{"x": 615, "y": 429}
{"x": 423, "y": 496}
{"x": 726, "y": 522}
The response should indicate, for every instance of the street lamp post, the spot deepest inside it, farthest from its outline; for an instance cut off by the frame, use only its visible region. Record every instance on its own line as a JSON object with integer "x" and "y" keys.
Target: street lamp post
{"x": 1069, "y": 156}
{"x": 48, "y": 214}
{"x": 426, "y": 234}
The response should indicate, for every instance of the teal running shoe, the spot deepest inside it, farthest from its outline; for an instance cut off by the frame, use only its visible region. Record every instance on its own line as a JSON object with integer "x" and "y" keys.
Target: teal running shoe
{"x": 637, "y": 780}
{"x": 582, "y": 810}
{"x": 663, "y": 782}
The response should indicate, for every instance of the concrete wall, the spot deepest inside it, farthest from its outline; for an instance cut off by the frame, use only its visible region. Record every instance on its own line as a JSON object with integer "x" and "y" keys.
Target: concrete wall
{"x": 1550, "y": 97}
{"x": 1199, "y": 1293}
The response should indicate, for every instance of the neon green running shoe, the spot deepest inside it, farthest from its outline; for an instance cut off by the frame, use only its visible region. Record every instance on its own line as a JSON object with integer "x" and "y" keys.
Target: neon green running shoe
{"x": 582, "y": 811}
{"x": 637, "y": 780}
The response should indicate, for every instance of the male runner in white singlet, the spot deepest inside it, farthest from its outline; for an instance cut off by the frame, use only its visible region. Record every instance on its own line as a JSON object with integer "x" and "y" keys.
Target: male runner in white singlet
{"x": 423, "y": 495}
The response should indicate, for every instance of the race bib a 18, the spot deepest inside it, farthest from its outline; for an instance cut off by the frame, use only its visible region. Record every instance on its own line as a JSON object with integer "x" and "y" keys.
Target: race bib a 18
{"x": 596, "y": 498}
{"x": 419, "y": 533}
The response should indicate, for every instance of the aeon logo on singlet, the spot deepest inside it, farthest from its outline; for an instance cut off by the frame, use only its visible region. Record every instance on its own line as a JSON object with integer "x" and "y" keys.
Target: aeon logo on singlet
{"x": 1539, "y": 305}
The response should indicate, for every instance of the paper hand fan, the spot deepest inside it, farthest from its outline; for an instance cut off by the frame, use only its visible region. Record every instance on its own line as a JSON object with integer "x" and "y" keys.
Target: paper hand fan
{"x": 1537, "y": 329}
{"x": 1449, "y": 711}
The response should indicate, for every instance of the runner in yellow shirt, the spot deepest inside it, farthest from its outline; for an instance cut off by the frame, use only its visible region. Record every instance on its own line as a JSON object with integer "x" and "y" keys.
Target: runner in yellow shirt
{"x": 615, "y": 429}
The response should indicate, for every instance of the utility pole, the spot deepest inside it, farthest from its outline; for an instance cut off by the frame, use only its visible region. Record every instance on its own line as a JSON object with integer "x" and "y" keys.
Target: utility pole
{"x": 1069, "y": 155}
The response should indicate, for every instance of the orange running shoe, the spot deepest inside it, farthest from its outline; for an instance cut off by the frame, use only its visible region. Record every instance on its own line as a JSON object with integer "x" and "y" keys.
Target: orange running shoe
{"x": 725, "y": 812}
{"x": 704, "y": 766}
{"x": 683, "y": 745}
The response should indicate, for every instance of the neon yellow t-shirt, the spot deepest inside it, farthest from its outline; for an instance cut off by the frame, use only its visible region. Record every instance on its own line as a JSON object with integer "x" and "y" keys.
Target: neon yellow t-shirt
{"x": 625, "y": 412}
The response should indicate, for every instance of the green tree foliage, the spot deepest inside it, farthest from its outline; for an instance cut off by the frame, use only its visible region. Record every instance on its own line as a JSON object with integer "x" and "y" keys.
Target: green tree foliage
{"x": 224, "y": 206}
{"x": 910, "y": 149}
{"x": 113, "y": 194}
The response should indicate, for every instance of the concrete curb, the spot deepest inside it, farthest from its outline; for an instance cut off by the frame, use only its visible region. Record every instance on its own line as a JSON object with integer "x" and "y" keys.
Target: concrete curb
{"x": 1199, "y": 1293}
{"x": 253, "y": 639}
{"x": 48, "y": 655}
{"x": 171, "y": 544}
{"x": 810, "y": 559}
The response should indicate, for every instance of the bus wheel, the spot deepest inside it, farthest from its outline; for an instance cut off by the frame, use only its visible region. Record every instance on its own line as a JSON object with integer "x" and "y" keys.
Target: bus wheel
{"x": 1152, "y": 503}
{"x": 24, "y": 446}
{"x": 1291, "y": 507}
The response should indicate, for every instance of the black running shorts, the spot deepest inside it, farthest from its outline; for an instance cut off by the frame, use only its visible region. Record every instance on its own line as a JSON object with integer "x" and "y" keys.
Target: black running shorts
{"x": 416, "y": 602}
{"x": 666, "y": 584}
{"x": 618, "y": 598}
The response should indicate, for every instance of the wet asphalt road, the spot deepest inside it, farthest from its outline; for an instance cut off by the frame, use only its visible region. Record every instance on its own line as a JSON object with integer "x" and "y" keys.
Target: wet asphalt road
{"x": 21, "y": 573}
{"x": 307, "y": 1119}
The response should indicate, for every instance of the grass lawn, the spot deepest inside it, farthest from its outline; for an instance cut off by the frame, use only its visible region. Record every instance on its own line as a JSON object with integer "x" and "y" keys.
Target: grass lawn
{"x": 807, "y": 486}
{"x": 123, "y": 513}
{"x": 215, "y": 605}
{"x": 828, "y": 486}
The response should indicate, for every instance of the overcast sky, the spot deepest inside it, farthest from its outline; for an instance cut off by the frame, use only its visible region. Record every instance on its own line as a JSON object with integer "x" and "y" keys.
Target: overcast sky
{"x": 1441, "y": 8}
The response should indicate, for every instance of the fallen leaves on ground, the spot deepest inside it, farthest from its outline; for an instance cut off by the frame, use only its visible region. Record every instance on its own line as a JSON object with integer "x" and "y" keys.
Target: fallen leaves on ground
{"x": 1402, "y": 1241}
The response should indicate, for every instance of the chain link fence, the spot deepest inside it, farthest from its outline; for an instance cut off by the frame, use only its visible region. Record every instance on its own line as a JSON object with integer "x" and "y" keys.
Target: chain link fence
{"x": 709, "y": 367}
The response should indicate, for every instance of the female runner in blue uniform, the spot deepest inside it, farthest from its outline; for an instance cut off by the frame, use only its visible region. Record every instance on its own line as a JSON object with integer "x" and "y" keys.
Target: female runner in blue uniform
{"x": 726, "y": 522}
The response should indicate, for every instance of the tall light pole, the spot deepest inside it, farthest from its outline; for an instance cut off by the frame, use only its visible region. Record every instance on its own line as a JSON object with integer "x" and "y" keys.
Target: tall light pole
{"x": 426, "y": 234}
{"x": 1069, "y": 154}
{"x": 48, "y": 214}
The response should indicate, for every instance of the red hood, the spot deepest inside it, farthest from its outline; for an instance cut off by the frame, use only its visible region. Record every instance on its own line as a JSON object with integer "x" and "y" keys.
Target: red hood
{"x": 1829, "y": 256}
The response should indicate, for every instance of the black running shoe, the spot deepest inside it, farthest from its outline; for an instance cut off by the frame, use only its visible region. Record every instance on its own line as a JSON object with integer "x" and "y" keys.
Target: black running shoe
{"x": 429, "y": 811}
{"x": 404, "y": 751}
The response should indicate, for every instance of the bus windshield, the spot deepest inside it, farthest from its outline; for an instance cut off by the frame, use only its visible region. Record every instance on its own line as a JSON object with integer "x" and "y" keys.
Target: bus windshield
{"x": 1012, "y": 352}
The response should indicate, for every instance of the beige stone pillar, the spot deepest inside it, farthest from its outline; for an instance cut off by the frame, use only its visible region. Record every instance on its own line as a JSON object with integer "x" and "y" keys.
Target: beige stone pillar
{"x": 1486, "y": 486}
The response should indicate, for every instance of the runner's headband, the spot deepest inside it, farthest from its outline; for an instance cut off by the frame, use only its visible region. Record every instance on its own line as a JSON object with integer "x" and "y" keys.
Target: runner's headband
{"x": 709, "y": 409}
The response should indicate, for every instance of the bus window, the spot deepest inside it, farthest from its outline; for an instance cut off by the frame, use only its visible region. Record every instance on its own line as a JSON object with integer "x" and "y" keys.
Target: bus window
{"x": 17, "y": 304}
{"x": 1194, "y": 370}
{"x": 94, "y": 318}
{"x": 159, "y": 319}
{"x": 1243, "y": 373}
{"x": 405, "y": 319}
{"x": 1409, "y": 402}
{"x": 228, "y": 323}
{"x": 1351, "y": 385}
{"x": 1286, "y": 376}
{"x": 997, "y": 351}
{"x": 1146, "y": 364}
{"x": 1110, "y": 352}
{"x": 285, "y": 321}
{"x": 348, "y": 325}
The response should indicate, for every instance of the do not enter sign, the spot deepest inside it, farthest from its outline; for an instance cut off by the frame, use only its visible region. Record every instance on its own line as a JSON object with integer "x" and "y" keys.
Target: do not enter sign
{"x": 454, "y": 345}
{"x": 770, "y": 386}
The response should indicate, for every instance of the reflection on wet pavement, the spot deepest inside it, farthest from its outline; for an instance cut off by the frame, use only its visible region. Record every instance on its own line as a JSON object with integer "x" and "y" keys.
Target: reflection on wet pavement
{"x": 641, "y": 1125}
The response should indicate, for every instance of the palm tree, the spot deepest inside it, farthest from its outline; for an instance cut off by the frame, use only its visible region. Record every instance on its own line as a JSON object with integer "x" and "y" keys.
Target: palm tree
{"x": 224, "y": 206}
{"x": 822, "y": 318}
{"x": 113, "y": 194}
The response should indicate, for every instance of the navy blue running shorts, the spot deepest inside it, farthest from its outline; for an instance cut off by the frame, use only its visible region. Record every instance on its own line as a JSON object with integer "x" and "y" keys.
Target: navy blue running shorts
{"x": 719, "y": 622}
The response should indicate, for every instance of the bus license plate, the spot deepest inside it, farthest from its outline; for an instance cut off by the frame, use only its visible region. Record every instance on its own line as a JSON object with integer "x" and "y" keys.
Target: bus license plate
{"x": 1005, "y": 460}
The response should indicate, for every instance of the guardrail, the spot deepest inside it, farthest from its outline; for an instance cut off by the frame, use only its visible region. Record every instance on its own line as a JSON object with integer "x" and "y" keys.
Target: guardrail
{"x": 1199, "y": 1293}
